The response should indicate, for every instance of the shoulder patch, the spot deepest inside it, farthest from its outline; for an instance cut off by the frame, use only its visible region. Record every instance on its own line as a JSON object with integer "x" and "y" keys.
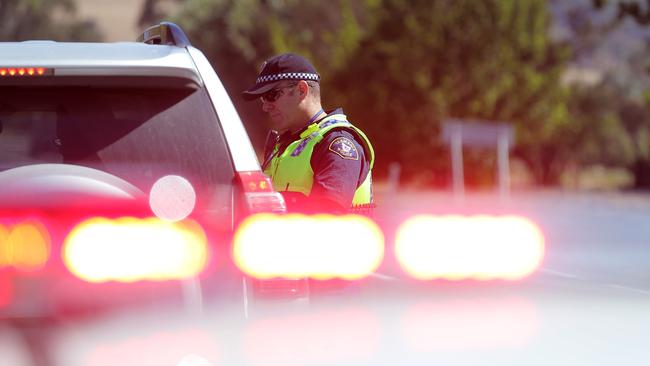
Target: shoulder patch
{"x": 345, "y": 148}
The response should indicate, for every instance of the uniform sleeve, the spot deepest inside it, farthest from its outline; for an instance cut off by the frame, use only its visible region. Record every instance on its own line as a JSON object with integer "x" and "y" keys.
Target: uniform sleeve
{"x": 338, "y": 163}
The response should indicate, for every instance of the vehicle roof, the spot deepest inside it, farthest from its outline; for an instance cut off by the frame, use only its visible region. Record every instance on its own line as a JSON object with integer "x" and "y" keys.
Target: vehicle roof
{"x": 113, "y": 56}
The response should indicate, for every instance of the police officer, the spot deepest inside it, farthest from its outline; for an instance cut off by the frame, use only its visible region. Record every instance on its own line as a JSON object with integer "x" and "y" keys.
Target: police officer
{"x": 318, "y": 160}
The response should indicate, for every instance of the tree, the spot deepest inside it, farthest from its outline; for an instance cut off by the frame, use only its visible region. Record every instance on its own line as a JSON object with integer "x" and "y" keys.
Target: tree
{"x": 631, "y": 8}
{"x": 40, "y": 19}
{"x": 597, "y": 134}
{"x": 622, "y": 139}
{"x": 431, "y": 60}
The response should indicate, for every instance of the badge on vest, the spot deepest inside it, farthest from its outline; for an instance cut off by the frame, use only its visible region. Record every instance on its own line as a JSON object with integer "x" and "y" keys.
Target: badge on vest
{"x": 344, "y": 148}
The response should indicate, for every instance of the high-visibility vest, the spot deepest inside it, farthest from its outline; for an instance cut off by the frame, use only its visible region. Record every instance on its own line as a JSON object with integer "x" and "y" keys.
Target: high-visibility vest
{"x": 291, "y": 171}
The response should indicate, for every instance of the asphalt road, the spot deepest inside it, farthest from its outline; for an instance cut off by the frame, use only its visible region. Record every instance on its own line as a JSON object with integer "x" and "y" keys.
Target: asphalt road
{"x": 601, "y": 238}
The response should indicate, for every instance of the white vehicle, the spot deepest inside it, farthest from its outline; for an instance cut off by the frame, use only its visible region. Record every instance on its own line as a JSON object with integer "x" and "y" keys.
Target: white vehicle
{"x": 104, "y": 131}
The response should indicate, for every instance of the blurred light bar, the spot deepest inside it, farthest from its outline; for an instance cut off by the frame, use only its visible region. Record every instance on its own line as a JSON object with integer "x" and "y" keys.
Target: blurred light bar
{"x": 469, "y": 247}
{"x": 299, "y": 246}
{"x": 24, "y": 246}
{"x": 129, "y": 249}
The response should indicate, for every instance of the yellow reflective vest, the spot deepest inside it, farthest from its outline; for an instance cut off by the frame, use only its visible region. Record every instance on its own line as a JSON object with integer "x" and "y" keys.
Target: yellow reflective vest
{"x": 291, "y": 171}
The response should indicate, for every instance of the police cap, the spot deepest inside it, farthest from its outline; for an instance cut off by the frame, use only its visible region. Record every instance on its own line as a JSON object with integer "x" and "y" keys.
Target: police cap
{"x": 287, "y": 66}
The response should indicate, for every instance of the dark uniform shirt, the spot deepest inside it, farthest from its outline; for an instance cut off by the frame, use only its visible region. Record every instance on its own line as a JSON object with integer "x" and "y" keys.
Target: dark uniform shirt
{"x": 340, "y": 166}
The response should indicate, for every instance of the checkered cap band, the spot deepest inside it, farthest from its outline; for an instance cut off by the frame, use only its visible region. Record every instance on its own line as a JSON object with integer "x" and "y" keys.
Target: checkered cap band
{"x": 288, "y": 76}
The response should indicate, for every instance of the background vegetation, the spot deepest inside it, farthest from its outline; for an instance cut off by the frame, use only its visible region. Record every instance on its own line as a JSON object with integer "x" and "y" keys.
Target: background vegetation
{"x": 57, "y": 20}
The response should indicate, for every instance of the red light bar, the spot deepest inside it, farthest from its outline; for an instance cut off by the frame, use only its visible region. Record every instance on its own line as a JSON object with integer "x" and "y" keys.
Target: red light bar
{"x": 129, "y": 249}
{"x": 299, "y": 246}
{"x": 25, "y": 71}
{"x": 475, "y": 247}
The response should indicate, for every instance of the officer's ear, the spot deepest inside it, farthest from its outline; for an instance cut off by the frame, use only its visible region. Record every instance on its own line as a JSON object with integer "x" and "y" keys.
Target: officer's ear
{"x": 303, "y": 89}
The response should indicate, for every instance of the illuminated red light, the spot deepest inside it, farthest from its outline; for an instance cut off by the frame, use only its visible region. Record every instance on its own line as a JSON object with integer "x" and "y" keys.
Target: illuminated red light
{"x": 475, "y": 247}
{"x": 23, "y": 71}
{"x": 256, "y": 182}
{"x": 299, "y": 246}
{"x": 259, "y": 193}
{"x": 130, "y": 249}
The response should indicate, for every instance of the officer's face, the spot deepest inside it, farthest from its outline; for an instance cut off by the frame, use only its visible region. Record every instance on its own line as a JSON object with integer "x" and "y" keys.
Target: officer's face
{"x": 281, "y": 104}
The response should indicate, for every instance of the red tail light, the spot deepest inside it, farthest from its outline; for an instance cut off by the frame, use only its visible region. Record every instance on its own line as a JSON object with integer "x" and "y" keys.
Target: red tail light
{"x": 129, "y": 249}
{"x": 299, "y": 246}
{"x": 259, "y": 193}
{"x": 476, "y": 247}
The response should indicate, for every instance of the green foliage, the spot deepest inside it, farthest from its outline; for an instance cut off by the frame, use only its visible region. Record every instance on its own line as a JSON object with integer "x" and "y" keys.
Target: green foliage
{"x": 44, "y": 19}
{"x": 609, "y": 128}
{"x": 635, "y": 116}
{"x": 634, "y": 9}
{"x": 597, "y": 134}
{"x": 614, "y": 114}
{"x": 428, "y": 61}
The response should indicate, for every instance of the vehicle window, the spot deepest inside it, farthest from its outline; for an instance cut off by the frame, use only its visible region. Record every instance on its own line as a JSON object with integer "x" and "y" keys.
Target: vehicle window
{"x": 136, "y": 134}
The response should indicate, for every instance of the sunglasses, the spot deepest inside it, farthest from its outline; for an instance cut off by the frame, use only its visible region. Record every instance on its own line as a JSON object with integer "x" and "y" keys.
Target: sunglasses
{"x": 275, "y": 94}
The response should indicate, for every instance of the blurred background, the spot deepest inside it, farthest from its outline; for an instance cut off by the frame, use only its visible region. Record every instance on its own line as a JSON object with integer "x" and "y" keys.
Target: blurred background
{"x": 570, "y": 76}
